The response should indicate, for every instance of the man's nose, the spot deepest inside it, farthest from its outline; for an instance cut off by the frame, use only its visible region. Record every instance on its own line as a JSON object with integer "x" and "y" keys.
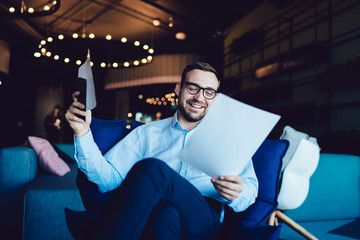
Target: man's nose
{"x": 199, "y": 96}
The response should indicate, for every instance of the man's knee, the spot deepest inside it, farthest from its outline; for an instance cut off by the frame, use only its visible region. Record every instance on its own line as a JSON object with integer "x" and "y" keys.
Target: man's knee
{"x": 150, "y": 165}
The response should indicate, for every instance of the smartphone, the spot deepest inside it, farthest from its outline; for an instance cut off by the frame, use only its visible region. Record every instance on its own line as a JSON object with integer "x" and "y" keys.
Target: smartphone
{"x": 80, "y": 85}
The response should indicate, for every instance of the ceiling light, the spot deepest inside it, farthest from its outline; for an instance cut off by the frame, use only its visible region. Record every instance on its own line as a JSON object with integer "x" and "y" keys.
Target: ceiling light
{"x": 180, "y": 36}
{"x": 37, "y": 54}
{"x": 58, "y": 47}
{"x": 156, "y": 22}
{"x": 44, "y": 8}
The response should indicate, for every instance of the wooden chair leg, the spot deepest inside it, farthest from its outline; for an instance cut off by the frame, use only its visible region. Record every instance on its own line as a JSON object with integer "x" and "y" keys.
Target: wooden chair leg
{"x": 288, "y": 221}
{"x": 271, "y": 220}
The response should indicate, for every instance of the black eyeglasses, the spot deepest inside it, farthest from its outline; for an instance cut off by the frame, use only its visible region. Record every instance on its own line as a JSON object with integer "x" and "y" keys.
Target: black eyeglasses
{"x": 194, "y": 89}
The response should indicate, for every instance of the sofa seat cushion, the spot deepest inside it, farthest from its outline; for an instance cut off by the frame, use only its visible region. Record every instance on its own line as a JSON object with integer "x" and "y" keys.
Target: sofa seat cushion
{"x": 44, "y": 211}
{"x": 347, "y": 229}
{"x": 336, "y": 177}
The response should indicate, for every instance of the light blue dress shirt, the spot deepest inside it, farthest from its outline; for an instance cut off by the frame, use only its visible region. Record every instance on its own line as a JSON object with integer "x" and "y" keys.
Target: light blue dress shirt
{"x": 163, "y": 140}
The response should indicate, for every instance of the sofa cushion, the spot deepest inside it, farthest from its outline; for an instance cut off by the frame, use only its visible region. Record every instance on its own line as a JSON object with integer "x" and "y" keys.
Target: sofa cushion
{"x": 294, "y": 137}
{"x": 267, "y": 164}
{"x": 48, "y": 158}
{"x": 107, "y": 133}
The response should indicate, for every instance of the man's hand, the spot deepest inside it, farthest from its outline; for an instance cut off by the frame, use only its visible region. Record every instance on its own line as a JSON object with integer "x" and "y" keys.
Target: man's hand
{"x": 79, "y": 126}
{"x": 229, "y": 187}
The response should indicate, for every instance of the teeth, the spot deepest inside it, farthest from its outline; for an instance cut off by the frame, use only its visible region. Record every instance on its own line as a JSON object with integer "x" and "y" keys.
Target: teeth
{"x": 195, "y": 105}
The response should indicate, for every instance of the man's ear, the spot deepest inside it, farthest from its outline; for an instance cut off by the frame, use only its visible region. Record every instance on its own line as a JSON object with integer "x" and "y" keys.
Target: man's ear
{"x": 177, "y": 89}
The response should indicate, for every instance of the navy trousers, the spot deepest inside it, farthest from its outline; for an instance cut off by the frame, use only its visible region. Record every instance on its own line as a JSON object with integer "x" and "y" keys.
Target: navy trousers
{"x": 155, "y": 202}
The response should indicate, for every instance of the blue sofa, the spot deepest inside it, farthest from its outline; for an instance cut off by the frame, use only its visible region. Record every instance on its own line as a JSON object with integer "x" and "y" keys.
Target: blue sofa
{"x": 33, "y": 202}
{"x": 331, "y": 210}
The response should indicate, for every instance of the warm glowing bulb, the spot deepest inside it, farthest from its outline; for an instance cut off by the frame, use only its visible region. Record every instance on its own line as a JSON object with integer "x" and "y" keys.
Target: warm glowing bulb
{"x": 49, "y": 39}
{"x": 103, "y": 65}
{"x": 136, "y": 43}
{"x": 126, "y": 64}
{"x": 115, "y": 65}
{"x": 108, "y": 37}
{"x": 136, "y": 62}
{"x": 54, "y": 2}
{"x": 31, "y": 10}
{"x": 12, "y": 9}
{"x": 56, "y": 57}
{"x": 48, "y": 54}
{"x": 78, "y": 62}
{"x": 43, "y": 50}
{"x": 61, "y": 37}
{"x": 91, "y": 35}
{"x": 149, "y": 58}
{"x": 129, "y": 115}
{"x": 124, "y": 40}
{"x": 140, "y": 96}
{"x": 156, "y": 22}
{"x": 75, "y": 35}
{"x": 43, "y": 42}
{"x": 66, "y": 60}
{"x": 151, "y": 51}
{"x": 46, "y": 8}
{"x": 91, "y": 63}
{"x": 144, "y": 60}
{"x": 145, "y": 47}
{"x": 37, "y": 54}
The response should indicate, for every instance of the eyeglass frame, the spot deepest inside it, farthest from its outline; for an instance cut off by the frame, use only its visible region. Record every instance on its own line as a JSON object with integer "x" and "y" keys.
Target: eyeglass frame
{"x": 200, "y": 88}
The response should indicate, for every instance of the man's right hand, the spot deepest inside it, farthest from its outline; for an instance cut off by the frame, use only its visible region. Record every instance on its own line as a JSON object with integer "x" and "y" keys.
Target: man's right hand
{"x": 79, "y": 126}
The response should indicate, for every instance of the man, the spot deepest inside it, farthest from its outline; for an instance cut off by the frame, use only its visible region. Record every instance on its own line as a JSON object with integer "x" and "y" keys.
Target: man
{"x": 162, "y": 197}
{"x": 52, "y": 124}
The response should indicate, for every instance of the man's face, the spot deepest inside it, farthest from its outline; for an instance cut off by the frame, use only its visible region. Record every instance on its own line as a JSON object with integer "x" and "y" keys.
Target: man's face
{"x": 194, "y": 107}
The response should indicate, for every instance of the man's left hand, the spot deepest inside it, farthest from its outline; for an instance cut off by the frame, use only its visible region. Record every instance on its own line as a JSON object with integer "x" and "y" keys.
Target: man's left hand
{"x": 229, "y": 187}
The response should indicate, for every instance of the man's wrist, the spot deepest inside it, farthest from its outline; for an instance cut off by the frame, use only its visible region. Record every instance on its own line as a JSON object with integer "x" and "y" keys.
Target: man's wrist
{"x": 81, "y": 133}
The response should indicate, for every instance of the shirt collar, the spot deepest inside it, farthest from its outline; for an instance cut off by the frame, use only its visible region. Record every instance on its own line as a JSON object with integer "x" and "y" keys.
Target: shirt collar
{"x": 175, "y": 123}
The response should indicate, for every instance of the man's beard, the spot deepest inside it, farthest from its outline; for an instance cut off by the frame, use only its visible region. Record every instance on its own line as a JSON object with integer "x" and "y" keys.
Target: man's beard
{"x": 187, "y": 114}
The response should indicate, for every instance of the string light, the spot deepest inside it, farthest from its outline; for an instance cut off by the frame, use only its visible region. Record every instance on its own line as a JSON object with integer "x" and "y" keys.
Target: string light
{"x": 169, "y": 98}
{"x": 45, "y": 9}
{"x": 46, "y": 45}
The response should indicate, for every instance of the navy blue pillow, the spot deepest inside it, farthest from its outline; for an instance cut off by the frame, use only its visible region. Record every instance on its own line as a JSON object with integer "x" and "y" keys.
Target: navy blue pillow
{"x": 267, "y": 163}
{"x": 107, "y": 133}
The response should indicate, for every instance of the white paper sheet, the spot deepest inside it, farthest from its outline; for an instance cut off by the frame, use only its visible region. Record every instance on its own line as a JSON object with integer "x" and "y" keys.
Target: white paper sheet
{"x": 227, "y": 137}
{"x": 85, "y": 72}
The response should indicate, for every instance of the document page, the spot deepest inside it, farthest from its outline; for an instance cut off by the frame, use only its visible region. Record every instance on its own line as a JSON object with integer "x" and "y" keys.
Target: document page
{"x": 227, "y": 137}
{"x": 85, "y": 72}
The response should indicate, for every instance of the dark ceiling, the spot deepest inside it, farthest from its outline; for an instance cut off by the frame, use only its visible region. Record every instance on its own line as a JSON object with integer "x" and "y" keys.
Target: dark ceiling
{"x": 203, "y": 21}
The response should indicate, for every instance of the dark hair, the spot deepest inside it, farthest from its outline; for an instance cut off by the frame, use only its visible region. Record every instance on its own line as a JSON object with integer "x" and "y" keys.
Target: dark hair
{"x": 201, "y": 66}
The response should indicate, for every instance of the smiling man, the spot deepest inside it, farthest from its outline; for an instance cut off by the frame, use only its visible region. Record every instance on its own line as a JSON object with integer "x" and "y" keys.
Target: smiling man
{"x": 157, "y": 195}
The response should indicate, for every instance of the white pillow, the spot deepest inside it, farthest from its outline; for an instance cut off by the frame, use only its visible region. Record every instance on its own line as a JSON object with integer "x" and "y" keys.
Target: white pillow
{"x": 294, "y": 137}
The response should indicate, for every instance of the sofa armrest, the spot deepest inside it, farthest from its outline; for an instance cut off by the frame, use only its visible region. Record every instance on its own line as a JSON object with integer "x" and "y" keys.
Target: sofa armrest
{"x": 18, "y": 166}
